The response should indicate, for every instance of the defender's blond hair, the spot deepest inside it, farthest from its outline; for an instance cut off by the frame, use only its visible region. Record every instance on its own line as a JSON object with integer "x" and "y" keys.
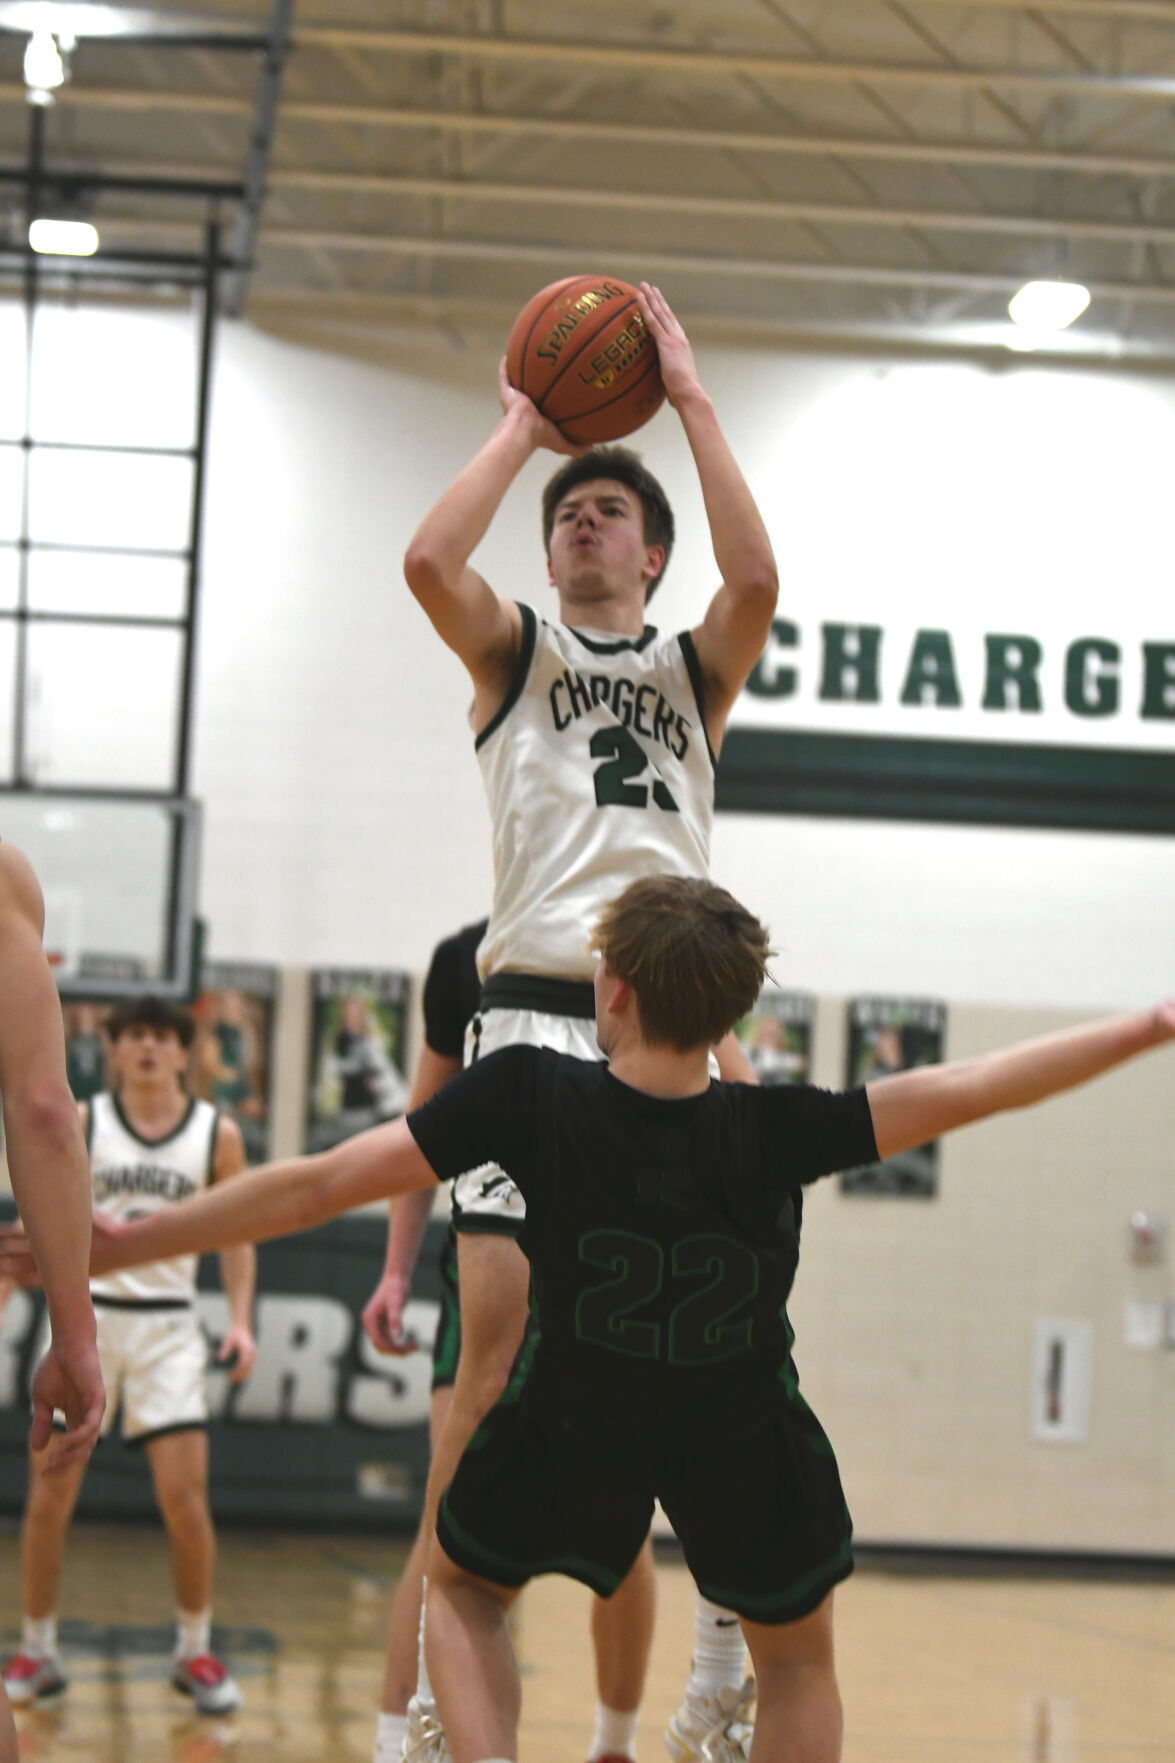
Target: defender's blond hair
{"x": 694, "y": 957}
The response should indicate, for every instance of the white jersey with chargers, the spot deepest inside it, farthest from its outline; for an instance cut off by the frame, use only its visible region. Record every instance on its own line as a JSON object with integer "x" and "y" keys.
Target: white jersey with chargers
{"x": 132, "y": 1176}
{"x": 598, "y": 770}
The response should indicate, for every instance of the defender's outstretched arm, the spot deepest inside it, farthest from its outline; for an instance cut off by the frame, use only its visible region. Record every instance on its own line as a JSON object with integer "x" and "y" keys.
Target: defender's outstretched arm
{"x": 914, "y": 1106}
{"x": 274, "y": 1201}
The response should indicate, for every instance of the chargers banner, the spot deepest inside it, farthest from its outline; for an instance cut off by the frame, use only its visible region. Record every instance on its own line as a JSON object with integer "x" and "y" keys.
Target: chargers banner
{"x": 1062, "y": 728}
{"x": 325, "y": 1430}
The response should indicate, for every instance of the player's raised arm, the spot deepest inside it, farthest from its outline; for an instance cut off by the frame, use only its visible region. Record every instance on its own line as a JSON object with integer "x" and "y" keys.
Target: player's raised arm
{"x": 914, "y": 1106}
{"x": 274, "y": 1201}
{"x": 730, "y": 638}
{"x": 480, "y": 628}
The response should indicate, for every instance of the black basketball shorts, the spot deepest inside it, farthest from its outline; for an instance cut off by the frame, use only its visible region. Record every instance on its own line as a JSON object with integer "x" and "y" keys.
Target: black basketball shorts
{"x": 760, "y": 1516}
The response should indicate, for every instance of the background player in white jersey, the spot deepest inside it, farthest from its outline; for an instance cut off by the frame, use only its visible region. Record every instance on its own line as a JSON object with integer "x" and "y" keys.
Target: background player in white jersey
{"x": 51, "y": 1184}
{"x": 597, "y": 739}
{"x": 150, "y": 1145}
{"x": 662, "y": 1231}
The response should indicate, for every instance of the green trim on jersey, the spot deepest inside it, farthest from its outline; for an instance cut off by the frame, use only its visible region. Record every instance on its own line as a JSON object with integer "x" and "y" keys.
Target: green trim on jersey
{"x": 503, "y": 1571}
{"x": 694, "y": 668}
{"x": 151, "y": 1144}
{"x": 615, "y": 645}
{"x": 522, "y": 665}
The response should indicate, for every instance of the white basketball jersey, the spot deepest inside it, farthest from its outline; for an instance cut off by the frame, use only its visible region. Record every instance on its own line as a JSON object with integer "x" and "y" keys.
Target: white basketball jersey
{"x": 132, "y": 1177}
{"x": 598, "y": 770}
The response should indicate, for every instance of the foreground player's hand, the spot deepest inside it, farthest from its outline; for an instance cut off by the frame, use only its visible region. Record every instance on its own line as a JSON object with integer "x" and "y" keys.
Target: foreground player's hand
{"x": 678, "y": 372}
{"x": 383, "y": 1316}
{"x": 543, "y": 432}
{"x": 68, "y": 1378}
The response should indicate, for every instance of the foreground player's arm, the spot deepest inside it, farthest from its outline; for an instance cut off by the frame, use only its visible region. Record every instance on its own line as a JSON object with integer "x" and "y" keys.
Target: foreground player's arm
{"x": 737, "y": 624}
{"x": 238, "y": 1265}
{"x": 914, "y": 1106}
{"x": 384, "y": 1311}
{"x": 276, "y": 1200}
{"x": 47, "y": 1162}
{"x": 482, "y": 630}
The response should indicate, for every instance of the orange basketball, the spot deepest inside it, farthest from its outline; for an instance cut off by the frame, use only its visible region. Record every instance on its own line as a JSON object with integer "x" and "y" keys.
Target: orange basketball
{"x": 581, "y": 352}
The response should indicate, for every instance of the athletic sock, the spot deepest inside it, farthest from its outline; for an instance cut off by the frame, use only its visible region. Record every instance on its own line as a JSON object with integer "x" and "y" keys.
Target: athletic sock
{"x": 720, "y": 1653}
{"x": 38, "y": 1638}
{"x": 390, "y": 1733}
{"x": 615, "y": 1734}
{"x": 193, "y": 1633}
{"x": 424, "y": 1697}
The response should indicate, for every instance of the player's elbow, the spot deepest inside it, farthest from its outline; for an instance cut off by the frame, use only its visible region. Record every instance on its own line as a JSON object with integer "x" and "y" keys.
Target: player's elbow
{"x": 311, "y": 1206}
{"x": 422, "y": 568}
{"x": 760, "y": 586}
{"x": 44, "y": 1116}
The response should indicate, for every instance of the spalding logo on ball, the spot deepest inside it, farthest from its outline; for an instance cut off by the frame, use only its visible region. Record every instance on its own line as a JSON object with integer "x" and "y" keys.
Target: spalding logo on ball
{"x": 581, "y": 352}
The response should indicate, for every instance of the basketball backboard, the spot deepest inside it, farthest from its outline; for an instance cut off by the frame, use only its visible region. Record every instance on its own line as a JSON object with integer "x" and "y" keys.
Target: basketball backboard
{"x": 118, "y": 872}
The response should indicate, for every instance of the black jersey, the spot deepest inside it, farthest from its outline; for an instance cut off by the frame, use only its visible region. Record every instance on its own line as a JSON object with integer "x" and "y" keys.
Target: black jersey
{"x": 452, "y": 990}
{"x": 662, "y": 1235}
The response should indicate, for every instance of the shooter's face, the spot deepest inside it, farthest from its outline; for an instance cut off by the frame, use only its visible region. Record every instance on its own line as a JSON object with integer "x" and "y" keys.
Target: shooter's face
{"x": 598, "y": 540}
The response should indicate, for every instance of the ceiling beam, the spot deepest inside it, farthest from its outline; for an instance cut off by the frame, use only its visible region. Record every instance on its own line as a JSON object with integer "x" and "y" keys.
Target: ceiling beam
{"x": 736, "y": 207}
{"x": 1143, "y": 165}
{"x": 687, "y": 62}
{"x": 653, "y": 262}
{"x": 256, "y": 166}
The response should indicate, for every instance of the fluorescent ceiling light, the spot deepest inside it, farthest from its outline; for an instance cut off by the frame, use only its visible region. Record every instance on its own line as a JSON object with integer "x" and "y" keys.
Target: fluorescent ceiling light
{"x": 44, "y": 69}
{"x": 63, "y": 238}
{"x": 1048, "y": 306}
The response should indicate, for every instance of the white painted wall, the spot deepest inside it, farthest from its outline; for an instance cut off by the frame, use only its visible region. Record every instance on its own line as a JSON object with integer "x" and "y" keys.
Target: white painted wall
{"x": 345, "y": 825}
{"x": 345, "y": 820}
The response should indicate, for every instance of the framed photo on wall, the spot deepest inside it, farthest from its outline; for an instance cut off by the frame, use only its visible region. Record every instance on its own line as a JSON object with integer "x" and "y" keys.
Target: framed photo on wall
{"x": 777, "y": 1036}
{"x": 85, "y": 1047}
{"x": 888, "y": 1035}
{"x": 232, "y": 1061}
{"x": 358, "y": 1036}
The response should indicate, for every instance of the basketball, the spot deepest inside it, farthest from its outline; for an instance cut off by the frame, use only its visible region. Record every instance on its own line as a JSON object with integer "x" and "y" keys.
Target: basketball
{"x": 581, "y": 352}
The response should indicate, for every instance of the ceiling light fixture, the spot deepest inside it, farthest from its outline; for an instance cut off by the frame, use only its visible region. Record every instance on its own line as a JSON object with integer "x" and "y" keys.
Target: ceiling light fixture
{"x": 63, "y": 238}
{"x": 1048, "y": 306}
{"x": 44, "y": 70}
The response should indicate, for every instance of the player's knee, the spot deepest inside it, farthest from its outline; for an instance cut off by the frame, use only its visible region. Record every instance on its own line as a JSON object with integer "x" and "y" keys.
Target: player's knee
{"x": 184, "y": 1508}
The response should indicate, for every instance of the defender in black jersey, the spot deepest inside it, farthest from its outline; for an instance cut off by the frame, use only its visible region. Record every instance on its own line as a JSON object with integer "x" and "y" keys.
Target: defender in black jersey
{"x": 661, "y": 1274}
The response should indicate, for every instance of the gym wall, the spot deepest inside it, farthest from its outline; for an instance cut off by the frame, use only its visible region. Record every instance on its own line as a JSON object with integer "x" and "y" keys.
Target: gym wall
{"x": 345, "y": 824}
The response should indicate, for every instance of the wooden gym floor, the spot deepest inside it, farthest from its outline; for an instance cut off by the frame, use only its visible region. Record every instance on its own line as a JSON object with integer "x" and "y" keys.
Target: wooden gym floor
{"x": 934, "y": 1669}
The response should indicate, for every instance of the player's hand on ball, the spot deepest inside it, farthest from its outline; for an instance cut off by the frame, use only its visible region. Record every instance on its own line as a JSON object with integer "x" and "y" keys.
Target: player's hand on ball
{"x": 678, "y": 372}
{"x": 545, "y": 433}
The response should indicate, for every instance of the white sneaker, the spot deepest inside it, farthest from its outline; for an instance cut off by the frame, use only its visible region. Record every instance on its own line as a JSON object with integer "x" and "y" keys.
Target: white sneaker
{"x": 208, "y": 1683}
{"x": 709, "y": 1729}
{"x": 33, "y": 1679}
{"x": 425, "y": 1740}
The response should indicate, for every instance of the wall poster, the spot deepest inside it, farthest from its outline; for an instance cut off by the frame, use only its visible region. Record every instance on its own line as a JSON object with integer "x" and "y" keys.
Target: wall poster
{"x": 358, "y": 1047}
{"x": 888, "y": 1035}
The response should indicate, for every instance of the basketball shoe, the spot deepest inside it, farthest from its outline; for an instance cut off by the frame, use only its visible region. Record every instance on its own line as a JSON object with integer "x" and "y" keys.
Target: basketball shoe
{"x": 207, "y": 1682}
{"x": 708, "y": 1729}
{"x": 425, "y": 1741}
{"x": 32, "y": 1680}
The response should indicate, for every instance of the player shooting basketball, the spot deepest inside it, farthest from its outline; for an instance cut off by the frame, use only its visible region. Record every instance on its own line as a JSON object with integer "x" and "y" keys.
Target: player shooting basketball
{"x": 662, "y": 1235}
{"x": 597, "y": 737}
